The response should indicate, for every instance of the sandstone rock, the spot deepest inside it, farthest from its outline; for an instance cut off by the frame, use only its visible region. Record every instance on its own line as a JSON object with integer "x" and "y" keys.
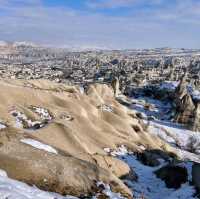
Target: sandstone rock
{"x": 53, "y": 172}
{"x": 196, "y": 121}
{"x": 80, "y": 141}
{"x": 115, "y": 86}
{"x": 185, "y": 111}
{"x": 181, "y": 90}
{"x": 116, "y": 166}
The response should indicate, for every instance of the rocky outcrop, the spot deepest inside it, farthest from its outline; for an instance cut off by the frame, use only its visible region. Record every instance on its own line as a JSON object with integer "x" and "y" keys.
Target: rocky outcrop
{"x": 59, "y": 173}
{"x": 115, "y": 86}
{"x": 181, "y": 90}
{"x": 79, "y": 126}
{"x": 148, "y": 158}
{"x": 196, "y": 122}
{"x": 187, "y": 111}
{"x": 173, "y": 176}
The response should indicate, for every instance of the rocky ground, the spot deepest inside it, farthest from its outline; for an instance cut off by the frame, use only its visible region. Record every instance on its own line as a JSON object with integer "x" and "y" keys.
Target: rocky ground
{"x": 97, "y": 131}
{"x": 60, "y": 139}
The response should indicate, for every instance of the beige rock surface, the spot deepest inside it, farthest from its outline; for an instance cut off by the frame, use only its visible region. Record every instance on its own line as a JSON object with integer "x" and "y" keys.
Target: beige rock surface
{"x": 81, "y": 126}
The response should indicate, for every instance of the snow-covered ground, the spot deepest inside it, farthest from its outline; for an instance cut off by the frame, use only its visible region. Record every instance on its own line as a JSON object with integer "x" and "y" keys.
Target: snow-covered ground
{"x": 147, "y": 184}
{"x": 186, "y": 141}
{"x": 152, "y": 187}
{"x": 157, "y": 114}
{"x": 169, "y": 85}
{"x": 172, "y": 85}
{"x": 152, "y": 108}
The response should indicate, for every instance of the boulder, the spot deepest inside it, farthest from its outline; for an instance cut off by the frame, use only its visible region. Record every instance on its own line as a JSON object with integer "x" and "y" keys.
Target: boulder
{"x": 153, "y": 157}
{"x": 196, "y": 175}
{"x": 173, "y": 176}
{"x": 148, "y": 158}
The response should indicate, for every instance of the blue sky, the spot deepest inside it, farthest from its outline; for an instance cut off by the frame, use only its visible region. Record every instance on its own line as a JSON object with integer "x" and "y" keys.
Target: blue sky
{"x": 102, "y": 23}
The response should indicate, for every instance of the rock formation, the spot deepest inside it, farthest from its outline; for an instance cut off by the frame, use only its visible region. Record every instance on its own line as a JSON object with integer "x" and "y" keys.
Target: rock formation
{"x": 173, "y": 175}
{"x": 78, "y": 126}
{"x": 115, "y": 86}
{"x": 196, "y": 175}
{"x": 187, "y": 111}
{"x": 196, "y": 122}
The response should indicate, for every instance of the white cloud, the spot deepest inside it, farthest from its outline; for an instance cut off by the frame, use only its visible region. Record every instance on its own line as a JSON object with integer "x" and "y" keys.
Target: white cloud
{"x": 157, "y": 27}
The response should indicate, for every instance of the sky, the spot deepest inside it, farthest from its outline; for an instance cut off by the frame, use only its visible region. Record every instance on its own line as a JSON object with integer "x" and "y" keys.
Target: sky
{"x": 111, "y": 24}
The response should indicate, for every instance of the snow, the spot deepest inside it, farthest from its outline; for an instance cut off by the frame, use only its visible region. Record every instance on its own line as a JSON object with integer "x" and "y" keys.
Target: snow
{"x": 42, "y": 112}
{"x": 120, "y": 151}
{"x": 39, "y": 145}
{"x": 196, "y": 94}
{"x": 2, "y": 126}
{"x": 82, "y": 90}
{"x": 172, "y": 85}
{"x": 188, "y": 142}
{"x": 185, "y": 141}
{"x": 158, "y": 109}
{"x": 150, "y": 186}
{"x": 21, "y": 118}
{"x": 3, "y": 173}
{"x": 147, "y": 184}
{"x": 169, "y": 85}
{"x": 107, "y": 108}
{"x": 178, "y": 131}
{"x": 12, "y": 189}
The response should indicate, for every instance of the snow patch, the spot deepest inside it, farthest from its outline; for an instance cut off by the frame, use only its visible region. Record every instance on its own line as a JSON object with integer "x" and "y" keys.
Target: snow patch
{"x": 22, "y": 121}
{"x": 107, "y": 108}
{"x": 120, "y": 151}
{"x": 2, "y": 126}
{"x": 39, "y": 145}
{"x": 3, "y": 173}
{"x": 169, "y": 85}
{"x": 42, "y": 112}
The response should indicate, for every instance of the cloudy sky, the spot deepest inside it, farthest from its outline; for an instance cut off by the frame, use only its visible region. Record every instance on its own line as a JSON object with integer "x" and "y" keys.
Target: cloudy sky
{"x": 102, "y": 23}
